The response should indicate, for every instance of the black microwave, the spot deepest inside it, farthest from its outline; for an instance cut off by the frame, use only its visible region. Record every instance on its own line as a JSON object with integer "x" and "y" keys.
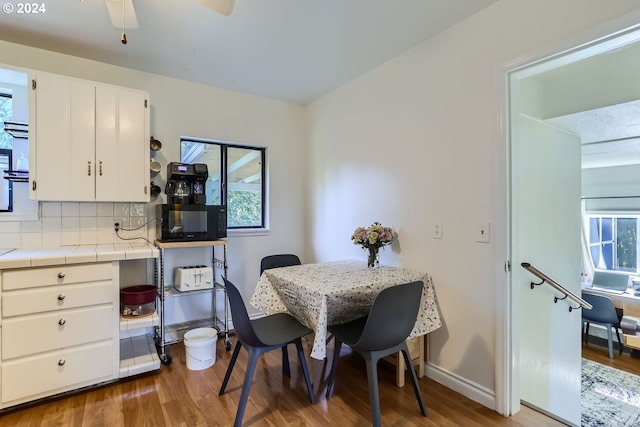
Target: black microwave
{"x": 186, "y": 222}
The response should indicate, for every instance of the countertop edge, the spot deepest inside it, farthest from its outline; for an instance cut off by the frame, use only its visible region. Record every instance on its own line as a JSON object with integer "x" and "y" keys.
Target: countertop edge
{"x": 42, "y": 257}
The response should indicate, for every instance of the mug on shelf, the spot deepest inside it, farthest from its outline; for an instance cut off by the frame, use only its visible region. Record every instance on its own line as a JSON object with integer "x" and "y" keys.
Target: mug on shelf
{"x": 155, "y": 166}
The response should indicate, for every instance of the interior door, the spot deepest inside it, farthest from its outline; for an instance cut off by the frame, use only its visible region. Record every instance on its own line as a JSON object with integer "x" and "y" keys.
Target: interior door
{"x": 545, "y": 165}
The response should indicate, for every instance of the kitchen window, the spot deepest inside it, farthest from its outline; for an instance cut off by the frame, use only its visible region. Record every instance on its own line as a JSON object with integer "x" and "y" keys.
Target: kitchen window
{"x": 6, "y": 114}
{"x": 237, "y": 176}
{"x": 6, "y": 155}
{"x": 613, "y": 242}
{"x": 6, "y": 186}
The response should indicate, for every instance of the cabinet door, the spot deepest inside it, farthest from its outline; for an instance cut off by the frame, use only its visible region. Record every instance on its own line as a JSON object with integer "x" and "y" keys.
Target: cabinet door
{"x": 53, "y": 372}
{"x": 122, "y": 144}
{"x": 64, "y": 140}
{"x": 51, "y": 331}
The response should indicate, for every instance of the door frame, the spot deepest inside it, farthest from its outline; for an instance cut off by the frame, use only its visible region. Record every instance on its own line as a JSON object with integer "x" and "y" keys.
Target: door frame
{"x": 609, "y": 35}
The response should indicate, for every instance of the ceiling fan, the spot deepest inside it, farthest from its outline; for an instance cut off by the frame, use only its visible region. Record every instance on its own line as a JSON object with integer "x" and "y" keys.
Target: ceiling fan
{"x": 123, "y": 15}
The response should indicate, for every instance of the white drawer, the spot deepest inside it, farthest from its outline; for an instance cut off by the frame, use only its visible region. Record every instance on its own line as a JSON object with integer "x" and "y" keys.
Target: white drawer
{"x": 50, "y": 298}
{"x": 32, "y": 334}
{"x": 51, "y": 373}
{"x": 24, "y": 278}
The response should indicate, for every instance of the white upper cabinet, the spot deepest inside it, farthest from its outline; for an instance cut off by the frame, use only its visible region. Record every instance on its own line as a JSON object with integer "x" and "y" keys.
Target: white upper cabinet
{"x": 88, "y": 141}
{"x": 122, "y": 144}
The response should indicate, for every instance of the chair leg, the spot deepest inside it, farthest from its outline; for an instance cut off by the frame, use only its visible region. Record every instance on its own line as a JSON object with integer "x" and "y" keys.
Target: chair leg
{"x": 334, "y": 363}
{"x": 246, "y": 385}
{"x": 586, "y": 333}
{"x": 286, "y": 370}
{"x": 619, "y": 341}
{"x": 374, "y": 398}
{"x": 305, "y": 370}
{"x": 414, "y": 381}
{"x": 232, "y": 363}
{"x": 610, "y": 342}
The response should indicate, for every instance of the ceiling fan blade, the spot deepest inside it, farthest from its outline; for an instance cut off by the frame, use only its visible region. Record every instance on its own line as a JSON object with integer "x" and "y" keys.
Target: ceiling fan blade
{"x": 223, "y": 7}
{"x": 122, "y": 13}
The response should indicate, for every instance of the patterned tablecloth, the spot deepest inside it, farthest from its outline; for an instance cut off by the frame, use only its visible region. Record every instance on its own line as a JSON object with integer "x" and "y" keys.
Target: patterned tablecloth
{"x": 337, "y": 292}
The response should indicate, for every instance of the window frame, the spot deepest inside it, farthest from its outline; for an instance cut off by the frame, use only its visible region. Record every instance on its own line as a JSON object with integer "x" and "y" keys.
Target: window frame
{"x": 8, "y": 152}
{"x": 224, "y": 171}
{"x": 614, "y": 216}
{"x": 6, "y": 93}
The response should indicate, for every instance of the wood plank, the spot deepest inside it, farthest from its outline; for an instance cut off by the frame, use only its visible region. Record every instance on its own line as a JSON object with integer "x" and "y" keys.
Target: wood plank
{"x": 416, "y": 348}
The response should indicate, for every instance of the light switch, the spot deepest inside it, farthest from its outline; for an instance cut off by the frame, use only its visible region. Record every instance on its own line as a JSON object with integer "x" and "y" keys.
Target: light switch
{"x": 437, "y": 230}
{"x": 484, "y": 231}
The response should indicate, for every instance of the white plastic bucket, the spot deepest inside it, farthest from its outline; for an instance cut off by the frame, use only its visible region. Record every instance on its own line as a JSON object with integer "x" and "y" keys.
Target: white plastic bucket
{"x": 200, "y": 344}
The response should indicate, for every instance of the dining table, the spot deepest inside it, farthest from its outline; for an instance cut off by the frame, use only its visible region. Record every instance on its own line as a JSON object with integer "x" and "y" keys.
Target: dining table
{"x": 328, "y": 293}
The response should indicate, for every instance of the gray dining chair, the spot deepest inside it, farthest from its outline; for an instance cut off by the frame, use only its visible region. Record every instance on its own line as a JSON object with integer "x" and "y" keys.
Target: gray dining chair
{"x": 379, "y": 334}
{"x": 275, "y": 261}
{"x": 278, "y": 260}
{"x": 603, "y": 313}
{"x": 259, "y": 336}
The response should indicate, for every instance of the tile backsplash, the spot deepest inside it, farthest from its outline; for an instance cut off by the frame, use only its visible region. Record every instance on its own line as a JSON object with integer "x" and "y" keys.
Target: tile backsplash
{"x": 72, "y": 224}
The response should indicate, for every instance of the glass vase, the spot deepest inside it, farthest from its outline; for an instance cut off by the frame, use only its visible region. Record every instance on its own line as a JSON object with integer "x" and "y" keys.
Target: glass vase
{"x": 372, "y": 259}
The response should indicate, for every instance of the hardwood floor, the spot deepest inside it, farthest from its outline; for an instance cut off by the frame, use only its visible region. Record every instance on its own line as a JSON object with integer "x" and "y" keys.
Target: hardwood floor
{"x": 176, "y": 396}
{"x": 597, "y": 351}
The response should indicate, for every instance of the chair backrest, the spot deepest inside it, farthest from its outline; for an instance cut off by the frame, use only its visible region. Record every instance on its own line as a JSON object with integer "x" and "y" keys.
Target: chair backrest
{"x": 279, "y": 260}
{"x": 392, "y": 317}
{"x": 241, "y": 322}
{"x": 603, "y": 310}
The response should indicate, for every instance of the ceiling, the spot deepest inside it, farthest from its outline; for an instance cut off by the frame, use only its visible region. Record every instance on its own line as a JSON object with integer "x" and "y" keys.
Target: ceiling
{"x": 610, "y": 135}
{"x": 292, "y": 50}
{"x": 611, "y": 123}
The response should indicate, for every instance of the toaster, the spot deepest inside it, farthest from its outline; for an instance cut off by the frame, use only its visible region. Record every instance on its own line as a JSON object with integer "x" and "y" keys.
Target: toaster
{"x": 193, "y": 278}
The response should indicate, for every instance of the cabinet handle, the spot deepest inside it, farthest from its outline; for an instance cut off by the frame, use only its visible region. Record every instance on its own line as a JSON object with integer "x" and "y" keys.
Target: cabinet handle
{"x": 100, "y": 167}
{"x": 61, "y": 322}
{"x": 89, "y": 167}
{"x": 61, "y": 362}
{"x": 145, "y": 189}
{"x": 61, "y": 275}
{"x": 61, "y": 297}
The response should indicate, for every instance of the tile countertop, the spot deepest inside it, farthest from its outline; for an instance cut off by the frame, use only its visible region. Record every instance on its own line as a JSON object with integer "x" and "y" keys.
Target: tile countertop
{"x": 38, "y": 257}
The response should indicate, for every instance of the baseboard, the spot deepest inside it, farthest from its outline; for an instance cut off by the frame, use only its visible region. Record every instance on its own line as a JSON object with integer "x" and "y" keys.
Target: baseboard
{"x": 467, "y": 388}
{"x": 599, "y": 331}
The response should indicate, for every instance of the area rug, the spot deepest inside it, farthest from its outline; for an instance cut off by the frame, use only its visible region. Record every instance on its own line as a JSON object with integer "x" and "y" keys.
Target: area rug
{"x": 610, "y": 397}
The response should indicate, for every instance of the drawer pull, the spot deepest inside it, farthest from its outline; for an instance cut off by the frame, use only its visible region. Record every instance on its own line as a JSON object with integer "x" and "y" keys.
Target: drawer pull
{"x": 61, "y": 275}
{"x": 61, "y": 322}
{"x": 61, "y": 362}
{"x": 61, "y": 297}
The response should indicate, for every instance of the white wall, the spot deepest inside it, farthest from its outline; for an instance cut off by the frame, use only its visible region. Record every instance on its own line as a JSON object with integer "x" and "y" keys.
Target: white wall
{"x": 417, "y": 141}
{"x": 180, "y": 108}
{"x": 622, "y": 181}
{"x": 598, "y": 81}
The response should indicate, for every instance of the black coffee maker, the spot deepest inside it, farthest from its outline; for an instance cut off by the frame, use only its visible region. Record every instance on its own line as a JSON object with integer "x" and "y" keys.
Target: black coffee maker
{"x": 186, "y": 183}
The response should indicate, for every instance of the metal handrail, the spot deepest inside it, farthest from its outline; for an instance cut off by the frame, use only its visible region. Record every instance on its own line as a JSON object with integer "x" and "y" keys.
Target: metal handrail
{"x": 558, "y": 287}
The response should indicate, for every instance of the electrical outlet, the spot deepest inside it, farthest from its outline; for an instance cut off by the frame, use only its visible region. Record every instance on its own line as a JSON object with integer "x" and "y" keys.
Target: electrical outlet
{"x": 484, "y": 232}
{"x": 437, "y": 230}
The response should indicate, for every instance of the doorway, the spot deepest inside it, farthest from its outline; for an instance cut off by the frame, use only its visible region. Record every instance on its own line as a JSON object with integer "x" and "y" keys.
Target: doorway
{"x": 550, "y": 89}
